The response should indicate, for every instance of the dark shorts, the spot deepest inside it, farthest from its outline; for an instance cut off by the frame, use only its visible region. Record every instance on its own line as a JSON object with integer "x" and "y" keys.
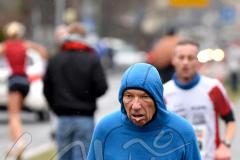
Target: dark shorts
{"x": 18, "y": 83}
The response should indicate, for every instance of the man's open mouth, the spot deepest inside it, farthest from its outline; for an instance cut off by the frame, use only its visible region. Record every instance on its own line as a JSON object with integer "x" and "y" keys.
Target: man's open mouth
{"x": 137, "y": 117}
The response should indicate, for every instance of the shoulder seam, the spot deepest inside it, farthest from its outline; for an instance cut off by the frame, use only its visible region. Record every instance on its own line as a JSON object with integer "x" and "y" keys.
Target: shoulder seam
{"x": 147, "y": 75}
{"x": 110, "y": 133}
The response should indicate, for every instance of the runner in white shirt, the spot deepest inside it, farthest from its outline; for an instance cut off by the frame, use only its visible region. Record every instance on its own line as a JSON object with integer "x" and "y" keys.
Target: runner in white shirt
{"x": 201, "y": 100}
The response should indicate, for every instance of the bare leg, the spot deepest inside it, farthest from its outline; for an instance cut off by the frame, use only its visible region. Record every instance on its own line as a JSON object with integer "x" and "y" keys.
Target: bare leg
{"x": 14, "y": 109}
{"x": 15, "y": 102}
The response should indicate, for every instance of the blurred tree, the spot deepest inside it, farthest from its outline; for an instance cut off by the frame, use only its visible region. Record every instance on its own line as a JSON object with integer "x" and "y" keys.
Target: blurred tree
{"x": 1, "y": 35}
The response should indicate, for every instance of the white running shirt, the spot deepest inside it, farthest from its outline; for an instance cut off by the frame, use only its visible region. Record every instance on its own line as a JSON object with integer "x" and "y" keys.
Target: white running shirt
{"x": 201, "y": 105}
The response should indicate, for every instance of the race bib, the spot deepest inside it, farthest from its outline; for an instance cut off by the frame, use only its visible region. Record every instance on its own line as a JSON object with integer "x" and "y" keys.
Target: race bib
{"x": 201, "y": 133}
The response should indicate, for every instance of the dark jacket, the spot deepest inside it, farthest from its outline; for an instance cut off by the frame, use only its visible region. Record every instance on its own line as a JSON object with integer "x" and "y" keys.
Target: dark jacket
{"x": 74, "y": 80}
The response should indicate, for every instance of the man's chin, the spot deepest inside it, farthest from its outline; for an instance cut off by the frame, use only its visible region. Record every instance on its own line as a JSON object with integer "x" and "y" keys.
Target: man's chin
{"x": 139, "y": 123}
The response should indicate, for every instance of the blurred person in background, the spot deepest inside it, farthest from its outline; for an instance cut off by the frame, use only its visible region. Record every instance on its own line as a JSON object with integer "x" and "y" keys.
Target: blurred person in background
{"x": 161, "y": 53}
{"x": 14, "y": 49}
{"x": 202, "y": 101}
{"x": 60, "y": 34}
{"x": 73, "y": 81}
{"x": 233, "y": 61}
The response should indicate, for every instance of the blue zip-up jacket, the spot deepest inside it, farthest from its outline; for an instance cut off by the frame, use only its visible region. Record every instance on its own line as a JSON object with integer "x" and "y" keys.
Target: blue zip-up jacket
{"x": 166, "y": 137}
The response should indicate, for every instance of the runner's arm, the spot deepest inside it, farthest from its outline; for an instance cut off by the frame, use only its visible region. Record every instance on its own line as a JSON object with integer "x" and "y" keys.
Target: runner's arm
{"x": 230, "y": 131}
{"x": 224, "y": 151}
{"x": 39, "y": 48}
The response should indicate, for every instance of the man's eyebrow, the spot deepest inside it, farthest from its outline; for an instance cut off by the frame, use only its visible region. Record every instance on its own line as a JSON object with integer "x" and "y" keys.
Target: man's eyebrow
{"x": 126, "y": 92}
{"x": 145, "y": 94}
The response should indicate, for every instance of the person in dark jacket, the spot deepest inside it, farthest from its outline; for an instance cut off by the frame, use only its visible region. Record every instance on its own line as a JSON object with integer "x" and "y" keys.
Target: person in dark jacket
{"x": 73, "y": 81}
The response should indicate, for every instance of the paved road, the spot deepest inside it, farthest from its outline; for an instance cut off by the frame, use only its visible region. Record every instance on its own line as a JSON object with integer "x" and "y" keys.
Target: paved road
{"x": 39, "y": 132}
{"x": 36, "y": 133}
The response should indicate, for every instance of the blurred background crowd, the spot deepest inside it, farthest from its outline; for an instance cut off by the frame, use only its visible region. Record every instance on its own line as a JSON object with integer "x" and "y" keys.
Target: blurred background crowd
{"x": 128, "y": 26}
{"x": 125, "y": 32}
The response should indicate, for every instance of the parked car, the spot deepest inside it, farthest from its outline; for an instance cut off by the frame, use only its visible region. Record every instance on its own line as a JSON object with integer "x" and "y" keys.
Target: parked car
{"x": 123, "y": 54}
{"x": 126, "y": 56}
{"x": 35, "y": 100}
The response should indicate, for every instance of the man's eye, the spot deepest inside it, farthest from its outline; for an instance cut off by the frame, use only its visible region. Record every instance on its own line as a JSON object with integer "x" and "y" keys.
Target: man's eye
{"x": 180, "y": 57}
{"x": 145, "y": 97}
{"x": 191, "y": 58}
{"x": 128, "y": 96}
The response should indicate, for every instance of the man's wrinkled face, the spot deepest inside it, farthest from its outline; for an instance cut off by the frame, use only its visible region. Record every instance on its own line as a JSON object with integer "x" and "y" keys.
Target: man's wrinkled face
{"x": 139, "y": 106}
{"x": 185, "y": 62}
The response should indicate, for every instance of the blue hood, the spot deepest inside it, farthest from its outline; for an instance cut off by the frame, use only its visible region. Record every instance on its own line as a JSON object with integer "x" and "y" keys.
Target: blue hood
{"x": 145, "y": 77}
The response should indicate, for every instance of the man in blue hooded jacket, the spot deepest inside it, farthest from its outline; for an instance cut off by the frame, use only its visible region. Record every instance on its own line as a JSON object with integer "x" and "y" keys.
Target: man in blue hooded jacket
{"x": 143, "y": 129}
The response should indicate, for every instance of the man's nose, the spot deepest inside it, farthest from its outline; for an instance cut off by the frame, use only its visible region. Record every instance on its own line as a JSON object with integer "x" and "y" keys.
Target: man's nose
{"x": 136, "y": 104}
{"x": 186, "y": 61}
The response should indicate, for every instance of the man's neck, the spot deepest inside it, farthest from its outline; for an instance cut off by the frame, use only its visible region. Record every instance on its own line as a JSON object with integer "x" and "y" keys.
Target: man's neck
{"x": 185, "y": 80}
{"x": 186, "y": 83}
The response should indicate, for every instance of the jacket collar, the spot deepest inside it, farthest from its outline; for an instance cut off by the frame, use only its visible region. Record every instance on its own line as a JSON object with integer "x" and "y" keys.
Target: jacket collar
{"x": 189, "y": 85}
